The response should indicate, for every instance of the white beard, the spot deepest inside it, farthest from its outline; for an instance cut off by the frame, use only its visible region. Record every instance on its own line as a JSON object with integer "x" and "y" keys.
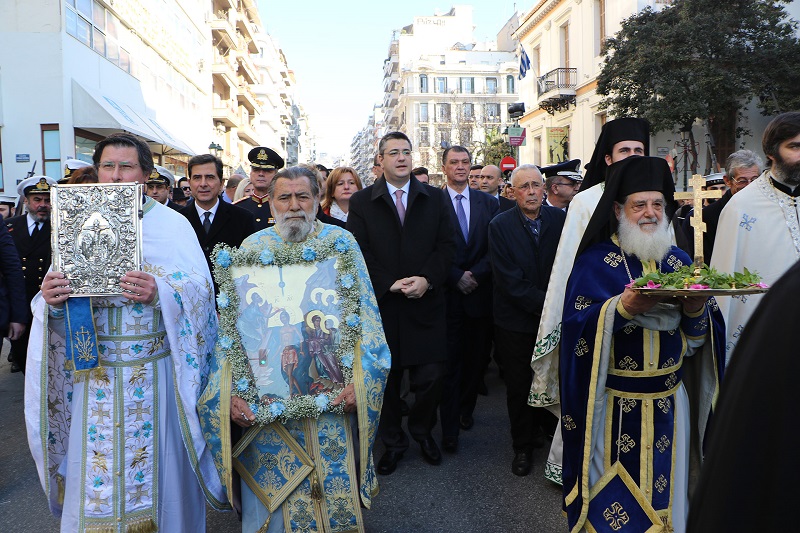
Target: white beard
{"x": 644, "y": 245}
{"x": 294, "y": 229}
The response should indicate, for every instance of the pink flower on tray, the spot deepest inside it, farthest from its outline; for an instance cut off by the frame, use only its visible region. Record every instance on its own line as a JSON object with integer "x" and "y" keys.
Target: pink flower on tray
{"x": 761, "y": 285}
{"x": 698, "y": 286}
{"x": 630, "y": 285}
{"x": 653, "y": 285}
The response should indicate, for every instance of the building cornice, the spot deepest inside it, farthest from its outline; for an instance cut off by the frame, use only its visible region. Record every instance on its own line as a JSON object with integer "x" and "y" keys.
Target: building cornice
{"x": 534, "y": 17}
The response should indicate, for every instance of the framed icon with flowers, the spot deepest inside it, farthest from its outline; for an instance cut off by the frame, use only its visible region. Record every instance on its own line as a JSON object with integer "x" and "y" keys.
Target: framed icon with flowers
{"x": 288, "y": 325}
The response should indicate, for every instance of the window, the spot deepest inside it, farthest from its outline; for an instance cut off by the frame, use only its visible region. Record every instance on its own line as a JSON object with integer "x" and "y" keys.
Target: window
{"x": 51, "y": 150}
{"x": 510, "y": 84}
{"x": 424, "y": 137}
{"x": 465, "y": 136}
{"x": 600, "y": 25}
{"x": 491, "y": 85}
{"x": 423, "y": 83}
{"x": 536, "y": 58}
{"x": 444, "y": 137}
{"x": 423, "y": 112}
{"x": 537, "y": 150}
{"x": 467, "y": 85}
{"x": 468, "y": 111}
{"x": 441, "y": 85}
{"x": 493, "y": 112}
{"x": 96, "y": 27}
{"x": 442, "y": 112}
{"x": 565, "y": 45}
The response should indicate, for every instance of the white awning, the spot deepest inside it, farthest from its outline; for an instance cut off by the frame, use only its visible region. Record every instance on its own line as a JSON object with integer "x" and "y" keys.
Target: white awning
{"x": 94, "y": 110}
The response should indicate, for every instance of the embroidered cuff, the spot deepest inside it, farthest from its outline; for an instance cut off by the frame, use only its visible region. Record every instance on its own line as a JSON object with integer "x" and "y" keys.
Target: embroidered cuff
{"x": 621, "y": 310}
{"x": 55, "y": 312}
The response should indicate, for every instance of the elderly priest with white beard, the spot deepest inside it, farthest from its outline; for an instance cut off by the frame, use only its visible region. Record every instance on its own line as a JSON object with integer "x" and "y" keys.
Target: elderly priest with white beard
{"x": 634, "y": 403}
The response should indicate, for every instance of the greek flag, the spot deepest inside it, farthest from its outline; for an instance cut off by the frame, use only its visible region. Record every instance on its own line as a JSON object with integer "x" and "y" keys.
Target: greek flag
{"x": 524, "y": 62}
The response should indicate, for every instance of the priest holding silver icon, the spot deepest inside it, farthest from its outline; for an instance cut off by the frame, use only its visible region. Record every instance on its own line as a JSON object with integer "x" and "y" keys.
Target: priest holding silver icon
{"x": 116, "y": 363}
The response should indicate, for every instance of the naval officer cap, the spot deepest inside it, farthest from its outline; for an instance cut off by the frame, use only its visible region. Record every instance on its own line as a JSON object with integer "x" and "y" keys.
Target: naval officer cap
{"x": 35, "y": 185}
{"x": 569, "y": 169}
{"x": 715, "y": 179}
{"x": 70, "y": 166}
{"x": 161, "y": 176}
{"x": 8, "y": 199}
{"x": 263, "y": 157}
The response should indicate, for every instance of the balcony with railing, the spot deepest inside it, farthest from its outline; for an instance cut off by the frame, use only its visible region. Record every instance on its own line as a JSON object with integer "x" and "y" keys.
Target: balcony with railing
{"x": 556, "y": 89}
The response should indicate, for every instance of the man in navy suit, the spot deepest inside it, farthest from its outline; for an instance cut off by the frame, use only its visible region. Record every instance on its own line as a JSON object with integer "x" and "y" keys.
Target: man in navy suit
{"x": 214, "y": 221}
{"x": 522, "y": 245}
{"x": 469, "y": 293}
{"x": 403, "y": 229}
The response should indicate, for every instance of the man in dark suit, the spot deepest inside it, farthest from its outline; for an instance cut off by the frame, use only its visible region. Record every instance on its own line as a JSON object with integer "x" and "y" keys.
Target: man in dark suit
{"x": 469, "y": 295}
{"x": 13, "y": 304}
{"x": 404, "y": 231}
{"x": 522, "y": 245}
{"x": 490, "y": 179}
{"x": 213, "y": 221}
{"x": 31, "y": 234}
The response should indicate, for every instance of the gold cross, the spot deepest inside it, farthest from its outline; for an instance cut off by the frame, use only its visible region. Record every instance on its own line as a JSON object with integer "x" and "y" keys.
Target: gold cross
{"x": 139, "y": 411}
{"x": 100, "y": 413}
{"x": 137, "y": 325}
{"x": 696, "y": 197}
{"x": 97, "y": 501}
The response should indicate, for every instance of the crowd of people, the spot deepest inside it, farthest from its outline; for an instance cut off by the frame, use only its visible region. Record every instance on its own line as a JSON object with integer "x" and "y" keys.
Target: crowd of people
{"x": 535, "y": 270}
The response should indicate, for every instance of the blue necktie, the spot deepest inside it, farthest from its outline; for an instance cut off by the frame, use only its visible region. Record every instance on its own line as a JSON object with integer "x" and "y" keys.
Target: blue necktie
{"x": 462, "y": 217}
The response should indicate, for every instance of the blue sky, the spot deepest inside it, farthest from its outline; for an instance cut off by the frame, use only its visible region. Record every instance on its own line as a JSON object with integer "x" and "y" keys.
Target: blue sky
{"x": 337, "y": 49}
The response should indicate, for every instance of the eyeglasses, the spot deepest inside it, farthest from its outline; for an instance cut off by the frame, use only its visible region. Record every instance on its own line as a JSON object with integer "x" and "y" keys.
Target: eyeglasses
{"x": 745, "y": 181}
{"x": 186, "y": 188}
{"x": 535, "y": 185}
{"x": 395, "y": 153}
{"x": 124, "y": 166}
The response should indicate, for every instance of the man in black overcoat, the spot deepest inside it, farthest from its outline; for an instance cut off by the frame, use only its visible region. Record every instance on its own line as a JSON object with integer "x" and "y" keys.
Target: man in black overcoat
{"x": 404, "y": 231}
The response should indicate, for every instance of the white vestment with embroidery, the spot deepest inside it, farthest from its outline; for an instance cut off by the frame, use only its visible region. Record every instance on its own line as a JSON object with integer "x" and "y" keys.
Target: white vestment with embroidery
{"x": 758, "y": 230}
{"x": 119, "y": 448}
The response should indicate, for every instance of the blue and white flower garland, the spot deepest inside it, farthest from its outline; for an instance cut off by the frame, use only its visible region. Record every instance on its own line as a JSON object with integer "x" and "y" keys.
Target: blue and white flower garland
{"x": 229, "y": 344}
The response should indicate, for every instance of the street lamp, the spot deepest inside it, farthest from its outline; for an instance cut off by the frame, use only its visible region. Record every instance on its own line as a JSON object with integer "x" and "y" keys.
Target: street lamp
{"x": 214, "y": 147}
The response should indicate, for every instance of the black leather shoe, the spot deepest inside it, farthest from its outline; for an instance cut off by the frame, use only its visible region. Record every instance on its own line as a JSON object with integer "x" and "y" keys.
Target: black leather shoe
{"x": 388, "y": 462}
{"x": 15, "y": 367}
{"x": 521, "y": 465}
{"x": 466, "y": 422}
{"x": 450, "y": 444}
{"x": 430, "y": 451}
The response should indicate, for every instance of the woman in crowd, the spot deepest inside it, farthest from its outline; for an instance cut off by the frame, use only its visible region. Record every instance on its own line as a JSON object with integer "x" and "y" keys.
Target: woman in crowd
{"x": 243, "y": 190}
{"x": 341, "y": 184}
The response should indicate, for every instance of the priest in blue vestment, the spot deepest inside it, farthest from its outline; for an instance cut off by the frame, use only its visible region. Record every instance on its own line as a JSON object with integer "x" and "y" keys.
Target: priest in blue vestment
{"x": 639, "y": 373}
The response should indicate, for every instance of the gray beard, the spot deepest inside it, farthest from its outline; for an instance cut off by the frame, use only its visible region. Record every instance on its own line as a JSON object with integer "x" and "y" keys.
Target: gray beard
{"x": 294, "y": 229}
{"x": 646, "y": 246}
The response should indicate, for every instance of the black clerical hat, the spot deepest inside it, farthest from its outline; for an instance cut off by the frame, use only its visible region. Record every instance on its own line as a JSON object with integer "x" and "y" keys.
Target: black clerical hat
{"x": 621, "y": 129}
{"x": 631, "y": 175}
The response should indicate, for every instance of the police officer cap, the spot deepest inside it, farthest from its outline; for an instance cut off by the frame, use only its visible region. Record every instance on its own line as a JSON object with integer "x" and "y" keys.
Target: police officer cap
{"x": 569, "y": 169}
{"x": 263, "y": 157}
{"x": 161, "y": 176}
{"x": 35, "y": 185}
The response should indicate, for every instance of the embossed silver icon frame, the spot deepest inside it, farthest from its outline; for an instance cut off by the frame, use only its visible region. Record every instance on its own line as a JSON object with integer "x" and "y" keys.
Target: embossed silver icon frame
{"x": 97, "y": 235}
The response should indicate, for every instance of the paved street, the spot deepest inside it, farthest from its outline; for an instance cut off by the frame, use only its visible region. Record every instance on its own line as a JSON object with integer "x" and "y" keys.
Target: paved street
{"x": 473, "y": 491}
